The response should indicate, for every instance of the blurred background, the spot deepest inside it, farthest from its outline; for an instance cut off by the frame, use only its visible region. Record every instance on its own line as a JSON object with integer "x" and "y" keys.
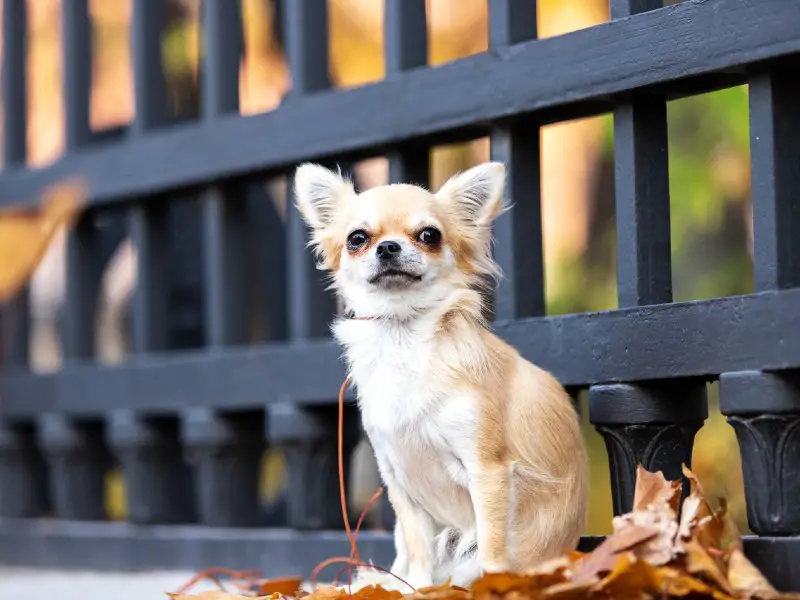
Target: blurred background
{"x": 709, "y": 181}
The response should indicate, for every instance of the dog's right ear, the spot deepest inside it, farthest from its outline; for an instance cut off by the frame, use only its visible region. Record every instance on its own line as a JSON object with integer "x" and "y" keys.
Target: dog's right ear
{"x": 318, "y": 192}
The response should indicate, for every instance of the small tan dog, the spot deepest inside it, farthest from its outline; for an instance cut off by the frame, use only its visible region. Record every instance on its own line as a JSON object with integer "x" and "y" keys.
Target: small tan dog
{"x": 480, "y": 450}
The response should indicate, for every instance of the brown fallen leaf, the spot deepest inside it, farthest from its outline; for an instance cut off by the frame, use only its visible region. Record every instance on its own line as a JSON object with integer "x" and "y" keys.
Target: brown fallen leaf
{"x": 630, "y": 578}
{"x": 654, "y": 490}
{"x": 652, "y": 553}
{"x": 603, "y": 559}
{"x": 326, "y": 592}
{"x": 286, "y": 586}
{"x": 700, "y": 563}
{"x": 376, "y": 593}
{"x": 746, "y": 580}
{"x": 675, "y": 583}
{"x": 25, "y": 234}
{"x": 220, "y": 595}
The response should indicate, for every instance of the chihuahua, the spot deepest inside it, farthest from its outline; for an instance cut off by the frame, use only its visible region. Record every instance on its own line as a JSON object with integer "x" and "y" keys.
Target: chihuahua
{"x": 480, "y": 450}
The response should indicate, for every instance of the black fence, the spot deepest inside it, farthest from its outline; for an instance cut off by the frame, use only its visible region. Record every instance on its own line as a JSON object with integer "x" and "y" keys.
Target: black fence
{"x": 188, "y": 425}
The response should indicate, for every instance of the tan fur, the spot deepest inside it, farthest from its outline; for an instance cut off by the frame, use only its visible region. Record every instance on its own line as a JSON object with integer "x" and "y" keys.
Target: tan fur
{"x": 471, "y": 438}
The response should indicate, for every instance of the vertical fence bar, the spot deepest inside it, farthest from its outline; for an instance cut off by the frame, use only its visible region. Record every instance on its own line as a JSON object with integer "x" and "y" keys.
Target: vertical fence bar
{"x": 764, "y": 408}
{"x": 406, "y": 47}
{"x": 225, "y": 449}
{"x": 653, "y": 424}
{"x": 775, "y": 175}
{"x": 82, "y": 278}
{"x": 311, "y": 307}
{"x": 15, "y": 111}
{"x": 149, "y": 85}
{"x": 149, "y": 450}
{"x": 518, "y": 232}
{"x": 223, "y": 207}
{"x": 147, "y": 224}
{"x": 23, "y": 474}
{"x": 77, "y": 458}
{"x": 15, "y": 325}
{"x": 76, "y": 40}
{"x": 306, "y": 31}
{"x": 641, "y": 176}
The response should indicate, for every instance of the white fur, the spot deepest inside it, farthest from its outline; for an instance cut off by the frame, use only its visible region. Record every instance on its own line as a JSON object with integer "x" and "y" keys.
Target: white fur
{"x": 423, "y": 437}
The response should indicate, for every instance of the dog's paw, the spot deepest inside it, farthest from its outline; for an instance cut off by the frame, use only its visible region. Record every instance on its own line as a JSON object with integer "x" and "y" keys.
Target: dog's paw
{"x": 366, "y": 577}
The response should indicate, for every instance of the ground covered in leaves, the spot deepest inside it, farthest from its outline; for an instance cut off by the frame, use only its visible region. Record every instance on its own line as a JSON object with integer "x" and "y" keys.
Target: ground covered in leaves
{"x": 659, "y": 550}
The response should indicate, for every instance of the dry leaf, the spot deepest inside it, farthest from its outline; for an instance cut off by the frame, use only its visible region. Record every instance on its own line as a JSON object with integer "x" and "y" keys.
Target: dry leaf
{"x": 651, "y": 554}
{"x": 376, "y": 593}
{"x": 286, "y": 586}
{"x": 219, "y": 595}
{"x": 326, "y": 592}
{"x": 746, "y": 580}
{"x": 700, "y": 563}
{"x": 672, "y": 582}
{"x": 630, "y": 578}
{"x": 26, "y": 234}
{"x": 654, "y": 490}
{"x": 604, "y": 557}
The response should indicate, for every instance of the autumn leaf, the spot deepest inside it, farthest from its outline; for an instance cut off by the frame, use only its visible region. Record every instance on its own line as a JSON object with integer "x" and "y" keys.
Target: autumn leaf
{"x": 25, "y": 234}
{"x": 746, "y": 580}
{"x": 604, "y": 557}
{"x": 287, "y": 586}
{"x": 630, "y": 578}
{"x": 219, "y": 595}
{"x": 654, "y": 490}
{"x": 699, "y": 562}
{"x": 326, "y": 592}
{"x": 674, "y": 583}
{"x": 651, "y": 553}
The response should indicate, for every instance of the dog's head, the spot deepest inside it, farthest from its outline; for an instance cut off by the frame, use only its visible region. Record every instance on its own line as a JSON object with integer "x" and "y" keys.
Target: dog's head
{"x": 396, "y": 249}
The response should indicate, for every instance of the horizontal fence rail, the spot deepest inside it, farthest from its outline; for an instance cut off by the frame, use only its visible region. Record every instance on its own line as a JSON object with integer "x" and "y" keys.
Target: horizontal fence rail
{"x": 188, "y": 417}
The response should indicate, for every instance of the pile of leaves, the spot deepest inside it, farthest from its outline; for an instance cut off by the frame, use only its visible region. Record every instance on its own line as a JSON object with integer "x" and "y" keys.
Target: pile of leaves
{"x": 659, "y": 550}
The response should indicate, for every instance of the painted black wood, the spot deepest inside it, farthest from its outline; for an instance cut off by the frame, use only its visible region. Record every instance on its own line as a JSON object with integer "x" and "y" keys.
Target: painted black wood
{"x": 188, "y": 416}
{"x": 557, "y": 78}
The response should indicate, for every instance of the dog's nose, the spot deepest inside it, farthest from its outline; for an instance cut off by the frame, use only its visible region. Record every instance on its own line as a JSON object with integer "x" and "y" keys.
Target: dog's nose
{"x": 388, "y": 249}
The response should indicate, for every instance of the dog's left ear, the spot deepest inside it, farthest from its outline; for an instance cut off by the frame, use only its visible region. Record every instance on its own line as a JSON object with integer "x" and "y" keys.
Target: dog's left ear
{"x": 319, "y": 192}
{"x": 476, "y": 194}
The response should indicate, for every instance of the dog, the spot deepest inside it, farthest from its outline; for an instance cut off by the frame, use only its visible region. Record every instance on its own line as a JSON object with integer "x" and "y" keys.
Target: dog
{"x": 480, "y": 450}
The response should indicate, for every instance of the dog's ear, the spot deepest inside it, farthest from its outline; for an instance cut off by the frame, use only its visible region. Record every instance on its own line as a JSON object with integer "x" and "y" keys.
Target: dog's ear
{"x": 476, "y": 195}
{"x": 318, "y": 192}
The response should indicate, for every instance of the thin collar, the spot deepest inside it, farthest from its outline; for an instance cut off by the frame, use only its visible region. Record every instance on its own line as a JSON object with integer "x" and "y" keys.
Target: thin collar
{"x": 353, "y": 317}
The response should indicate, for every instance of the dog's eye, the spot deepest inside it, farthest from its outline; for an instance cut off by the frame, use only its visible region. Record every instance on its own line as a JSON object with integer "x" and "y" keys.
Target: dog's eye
{"x": 357, "y": 239}
{"x": 430, "y": 236}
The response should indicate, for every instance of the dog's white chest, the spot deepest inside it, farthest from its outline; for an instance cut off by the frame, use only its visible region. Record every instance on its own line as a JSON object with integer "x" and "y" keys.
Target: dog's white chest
{"x": 421, "y": 430}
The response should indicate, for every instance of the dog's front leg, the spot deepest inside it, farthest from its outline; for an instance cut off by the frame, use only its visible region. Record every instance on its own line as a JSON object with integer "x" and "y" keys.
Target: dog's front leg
{"x": 490, "y": 488}
{"x": 400, "y": 564}
{"x": 416, "y": 536}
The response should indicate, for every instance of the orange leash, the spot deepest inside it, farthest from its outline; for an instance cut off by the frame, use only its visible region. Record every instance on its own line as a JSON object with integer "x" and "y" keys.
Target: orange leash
{"x": 342, "y": 492}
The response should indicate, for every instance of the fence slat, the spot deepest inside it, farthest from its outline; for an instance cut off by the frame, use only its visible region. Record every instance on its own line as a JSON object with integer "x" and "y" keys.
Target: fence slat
{"x": 406, "y": 47}
{"x": 15, "y": 110}
{"x": 76, "y": 40}
{"x": 644, "y": 276}
{"x": 223, "y": 44}
{"x": 518, "y": 232}
{"x": 560, "y": 77}
{"x": 775, "y": 176}
{"x": 149, "y": 85}
{"x": 224, "y": 239}
{"x": 641, "y": 177}
{"x": 624, "y": 8}
{"x": 310, "y": 306}
{"x": 644, "y": 263}
{"x": 511, "y": 22}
